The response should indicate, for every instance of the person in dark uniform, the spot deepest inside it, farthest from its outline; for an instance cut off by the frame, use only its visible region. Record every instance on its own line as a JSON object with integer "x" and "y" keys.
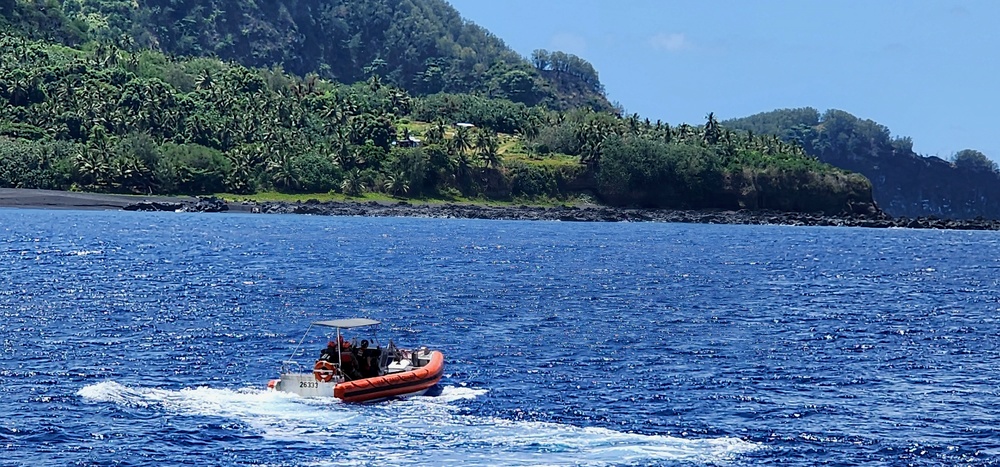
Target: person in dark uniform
{"x": 364, "y": 362}
{"x": 329, "y": 354}
{"x": 349, "y": 361}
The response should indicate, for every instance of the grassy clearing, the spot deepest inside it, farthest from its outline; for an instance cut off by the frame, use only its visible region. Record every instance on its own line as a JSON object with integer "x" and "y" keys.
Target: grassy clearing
{"x": 551, "y": 160}
{"x": 275, "y": 197}
{"x": 511, "y": 146}
{"x": 512, "y": 149}
{"x": 418, "y": 129}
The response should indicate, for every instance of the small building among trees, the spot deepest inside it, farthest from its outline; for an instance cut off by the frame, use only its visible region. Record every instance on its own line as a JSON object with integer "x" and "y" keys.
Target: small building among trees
{"x": 409, "y": 142}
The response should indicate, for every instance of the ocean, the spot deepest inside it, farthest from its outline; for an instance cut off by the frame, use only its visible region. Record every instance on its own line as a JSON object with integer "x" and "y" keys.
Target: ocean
{"x": 148, "y": 338}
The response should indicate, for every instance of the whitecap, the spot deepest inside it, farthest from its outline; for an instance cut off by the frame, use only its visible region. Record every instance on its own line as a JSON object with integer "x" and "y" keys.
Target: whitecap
{"x": 84, "y": 252}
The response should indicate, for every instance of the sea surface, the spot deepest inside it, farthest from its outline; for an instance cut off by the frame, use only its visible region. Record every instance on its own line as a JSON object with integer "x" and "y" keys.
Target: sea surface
{"x": 148, "y": 339}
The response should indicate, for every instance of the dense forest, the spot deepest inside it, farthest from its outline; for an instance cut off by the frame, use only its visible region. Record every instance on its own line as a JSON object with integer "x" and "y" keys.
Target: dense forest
{"x": 905, "y": 183}
{"x": 103, "y": 97}
{"x": 423, "y": 46}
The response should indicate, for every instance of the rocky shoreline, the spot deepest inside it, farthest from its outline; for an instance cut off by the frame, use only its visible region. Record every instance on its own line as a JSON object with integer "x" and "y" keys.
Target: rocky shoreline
{"x": 610, "y": 214}
{"x": 47, "y": 199}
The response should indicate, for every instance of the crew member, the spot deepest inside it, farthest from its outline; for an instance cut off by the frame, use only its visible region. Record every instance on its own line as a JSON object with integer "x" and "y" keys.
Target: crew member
{"x": 329, "y": 353}
{"x": 348, "y": 361}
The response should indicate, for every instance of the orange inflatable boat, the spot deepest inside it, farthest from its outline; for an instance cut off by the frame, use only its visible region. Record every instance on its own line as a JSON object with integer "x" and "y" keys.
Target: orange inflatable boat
{"x": 416, "y": 380}
{"x": 361, "y": 371}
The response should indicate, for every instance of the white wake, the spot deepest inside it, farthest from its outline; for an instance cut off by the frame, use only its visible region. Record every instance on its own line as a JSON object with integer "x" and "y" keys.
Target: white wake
{"x": 419, "y": 430}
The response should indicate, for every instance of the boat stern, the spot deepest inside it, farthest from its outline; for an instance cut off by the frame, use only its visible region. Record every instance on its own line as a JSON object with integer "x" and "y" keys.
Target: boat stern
{"x": 302, "y": 384}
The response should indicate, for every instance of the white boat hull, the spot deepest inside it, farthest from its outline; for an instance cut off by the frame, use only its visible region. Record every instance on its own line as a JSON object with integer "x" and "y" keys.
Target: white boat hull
{"x": 303, "y": 384}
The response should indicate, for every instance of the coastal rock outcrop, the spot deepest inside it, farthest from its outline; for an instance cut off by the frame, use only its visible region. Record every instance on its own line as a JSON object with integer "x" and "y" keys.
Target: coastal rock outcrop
{"x": 207, "y": 204}
{"x": 863, "y": 216}
{"x": 153, "y": 206}
{"x": 202, "y": 204}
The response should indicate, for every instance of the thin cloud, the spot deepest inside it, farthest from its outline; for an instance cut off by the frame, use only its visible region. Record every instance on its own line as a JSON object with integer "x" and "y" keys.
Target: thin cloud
{"x": 895, "y": 49}
{"x": 672, "y": 42}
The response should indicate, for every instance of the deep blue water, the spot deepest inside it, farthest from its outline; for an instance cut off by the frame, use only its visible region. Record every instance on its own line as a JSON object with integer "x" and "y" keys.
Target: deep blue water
{"x": 141, "y": 338}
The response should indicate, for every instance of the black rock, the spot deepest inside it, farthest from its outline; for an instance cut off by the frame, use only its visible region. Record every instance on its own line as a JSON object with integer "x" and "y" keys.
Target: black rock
{"x": 207, "y": 204}
{"x": 858, "y": 218}
{"x": 154, "y": 206}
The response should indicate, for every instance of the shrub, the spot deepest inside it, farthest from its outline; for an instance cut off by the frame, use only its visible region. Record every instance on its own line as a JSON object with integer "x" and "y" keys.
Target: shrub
{"x": 316, "y": 173}
{"x": 192, "y": 169}
{"x": 35, "y": 164}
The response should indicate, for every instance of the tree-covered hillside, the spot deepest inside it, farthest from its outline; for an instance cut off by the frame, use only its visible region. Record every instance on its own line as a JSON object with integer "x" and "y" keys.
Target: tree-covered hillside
{"x": 82, "y": 112}
{"x": 423, "y": 46}
{"x": 904, "y": 183}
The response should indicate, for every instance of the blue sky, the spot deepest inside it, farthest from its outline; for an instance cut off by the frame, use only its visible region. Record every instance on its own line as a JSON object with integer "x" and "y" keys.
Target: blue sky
{"x": 925, "y": 69}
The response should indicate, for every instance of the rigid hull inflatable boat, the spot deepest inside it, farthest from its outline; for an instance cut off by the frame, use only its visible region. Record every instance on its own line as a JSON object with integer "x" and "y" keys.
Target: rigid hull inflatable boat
{"x": 362, "y": 371}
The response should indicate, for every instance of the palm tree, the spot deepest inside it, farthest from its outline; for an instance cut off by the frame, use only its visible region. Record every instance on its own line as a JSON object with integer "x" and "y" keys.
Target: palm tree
{"x": 334, "y": 116}
{"x": 590, "y": 136}
{"x": 488, "y": 148}
{"x": 244, "y": 160}
{"x": 463, "y": 168}
{"x": 712, "y": 129}
{"x": 342, "y": 153}
{"x": 205, "y": 81}
{"x": 435, "y": 134}
{"x": 91, "y": 166}
{"x": 529, "y": 128}
{"x": 352, "y": 186}
{"x": 374, "y": 83}
{"x": 20, "y": 88}
{"x": 132, "y": 63}
{"x": 462, "y": 141}
{"x": 633, "y": 123}
{"x": 685, "y": 132}
{"x": 281, "y": 170}
{"x": 396, "y": 184}
{"x": 129, "y": 173}
{"x": 94, "y": 162}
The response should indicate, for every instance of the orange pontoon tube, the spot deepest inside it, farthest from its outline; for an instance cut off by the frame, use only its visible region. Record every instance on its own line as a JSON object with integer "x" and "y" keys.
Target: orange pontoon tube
{"x": 393, "y": 384}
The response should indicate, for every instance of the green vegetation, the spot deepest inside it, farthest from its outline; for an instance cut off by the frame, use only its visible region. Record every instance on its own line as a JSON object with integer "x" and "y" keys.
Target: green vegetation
{"x": 973, "y": 160}
{"x": 905, "y": 183}
{"x": 831, "y": 135}
{"x": 711, "y": 166}
{"x": 840, "y": 137}
{"x": 109, "y": 115}
{"x": 423, "y": 46}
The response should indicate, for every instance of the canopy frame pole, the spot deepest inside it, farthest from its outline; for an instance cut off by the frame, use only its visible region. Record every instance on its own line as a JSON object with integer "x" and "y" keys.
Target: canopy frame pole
{"x": 340, "y": 357}
{"x": 297, "y": 346}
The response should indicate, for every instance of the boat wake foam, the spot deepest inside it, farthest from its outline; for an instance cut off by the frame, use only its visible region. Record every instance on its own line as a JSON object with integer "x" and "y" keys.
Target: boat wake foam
{"x": 443, "y": 431}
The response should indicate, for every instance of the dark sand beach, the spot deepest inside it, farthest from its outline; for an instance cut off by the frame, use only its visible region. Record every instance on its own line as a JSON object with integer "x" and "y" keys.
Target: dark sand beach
{"x": 50, "y": 199}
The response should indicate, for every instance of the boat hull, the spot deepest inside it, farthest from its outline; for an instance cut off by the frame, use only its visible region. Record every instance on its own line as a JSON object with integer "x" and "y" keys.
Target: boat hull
{"x": 412, "y": 382}
{"x": 407, "y": 383}
{"x": 303, "y": 384}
